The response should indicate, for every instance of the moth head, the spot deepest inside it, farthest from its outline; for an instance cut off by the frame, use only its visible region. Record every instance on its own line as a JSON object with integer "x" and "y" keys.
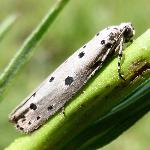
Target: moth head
{"x": 127, "y": 31}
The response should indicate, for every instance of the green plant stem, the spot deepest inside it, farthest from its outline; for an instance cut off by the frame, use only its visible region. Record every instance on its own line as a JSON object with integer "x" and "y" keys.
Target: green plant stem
{"x": 6, "y": 25}
{"x": 24, "y": 53}
{"x": 96, "y": 99}
{"x": 135, "y": 105}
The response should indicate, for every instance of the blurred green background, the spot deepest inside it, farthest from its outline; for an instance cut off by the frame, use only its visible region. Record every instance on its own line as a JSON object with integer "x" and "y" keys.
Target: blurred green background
{"x": 76, "y": 24}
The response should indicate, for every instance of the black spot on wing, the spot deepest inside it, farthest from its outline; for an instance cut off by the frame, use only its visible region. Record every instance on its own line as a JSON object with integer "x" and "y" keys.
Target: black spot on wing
{"x": 68, "y": 80}
{"x": 81, "y": 54}
{"x": 50, "y": 108}
{"x": 33, "y": 106}
{"x": 21, "y": 128}
{"x": 115, "y": 28}
{"x": 97, "y": 34}
{"x": 102, "y": 42}
{"x": 29, "y": 123}
{"x": 51, "y": 79}
{"x": 38, "y": 117}
{"x": 17, "y": 126}
{"x": 84, "y": 46}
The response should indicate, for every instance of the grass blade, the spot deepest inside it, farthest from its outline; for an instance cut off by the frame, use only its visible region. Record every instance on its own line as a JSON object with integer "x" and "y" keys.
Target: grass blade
{"x": 24, "y": 53}
{"x": 6, "y": 25}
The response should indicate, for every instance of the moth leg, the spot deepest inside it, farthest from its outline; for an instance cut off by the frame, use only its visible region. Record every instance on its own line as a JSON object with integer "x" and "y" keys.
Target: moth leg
{"x": 105, "y": 55}
{"x": 119, "y": 58}
{"x": 101, "y": 62}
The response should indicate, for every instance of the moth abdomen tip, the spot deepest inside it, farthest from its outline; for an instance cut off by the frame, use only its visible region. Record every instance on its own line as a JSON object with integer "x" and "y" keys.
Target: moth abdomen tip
{"x": 12, "y": 118}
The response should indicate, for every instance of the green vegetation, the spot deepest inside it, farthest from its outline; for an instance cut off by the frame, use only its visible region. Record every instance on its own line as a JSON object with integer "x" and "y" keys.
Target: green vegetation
{"x": 6, "y": 25}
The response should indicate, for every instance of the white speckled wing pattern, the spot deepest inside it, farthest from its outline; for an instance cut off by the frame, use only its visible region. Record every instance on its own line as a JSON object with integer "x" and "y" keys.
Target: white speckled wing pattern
{"x": 67, "y": 79}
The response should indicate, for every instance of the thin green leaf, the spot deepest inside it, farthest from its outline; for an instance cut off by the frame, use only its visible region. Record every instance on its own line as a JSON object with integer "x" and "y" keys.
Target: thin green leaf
{"x": 24, "y": 53}
{"x": 6, "y": 25}
{"x": 102, "y": 93}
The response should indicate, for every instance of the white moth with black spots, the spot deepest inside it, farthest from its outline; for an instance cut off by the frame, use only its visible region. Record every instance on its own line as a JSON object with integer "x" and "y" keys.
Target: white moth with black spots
{"x": 70, "y": 76}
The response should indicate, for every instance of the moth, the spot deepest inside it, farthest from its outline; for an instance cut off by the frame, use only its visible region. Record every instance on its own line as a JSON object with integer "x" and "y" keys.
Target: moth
{"x": 70, "y": 76}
